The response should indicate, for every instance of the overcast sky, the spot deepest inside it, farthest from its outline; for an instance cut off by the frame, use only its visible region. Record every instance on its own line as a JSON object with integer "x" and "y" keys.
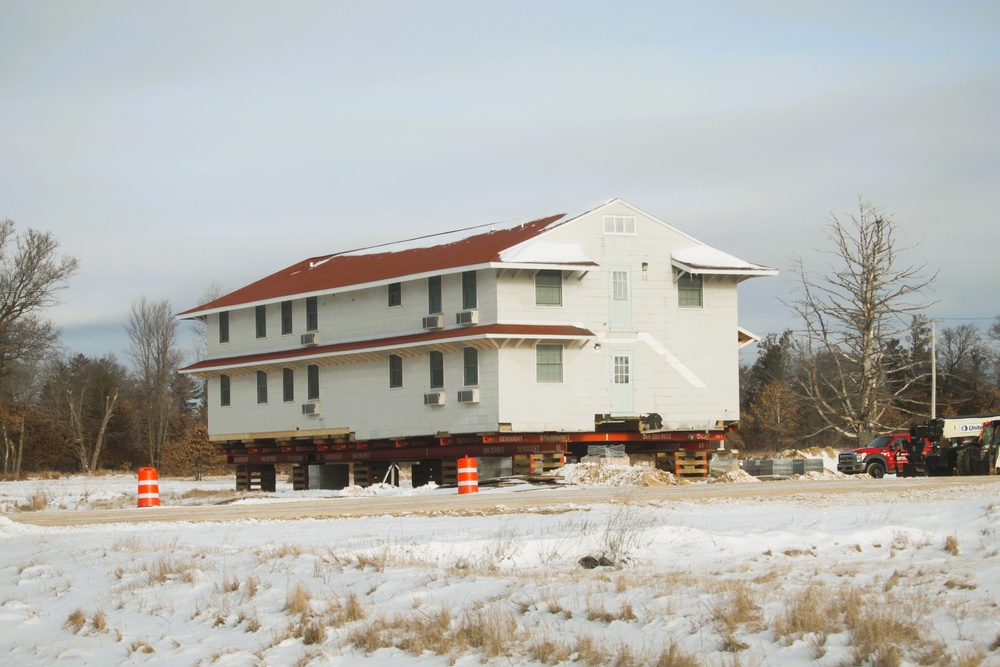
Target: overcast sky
{"x": 172, "y": 145}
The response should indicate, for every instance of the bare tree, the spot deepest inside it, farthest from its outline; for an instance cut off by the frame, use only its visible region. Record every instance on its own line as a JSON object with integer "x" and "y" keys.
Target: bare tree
{"x": 850, "y": 372}
{"x": 30, "y": 276}
{"x": 21, "y": 387}
{"x": 152, "y": 330}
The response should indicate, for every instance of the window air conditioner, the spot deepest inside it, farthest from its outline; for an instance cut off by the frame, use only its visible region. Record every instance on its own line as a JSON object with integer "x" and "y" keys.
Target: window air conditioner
{"x": 434, "y": 322}
{"x": 467, "y": 317}
{"x": 310, "y": 408}
{"x": 434, "y": 398}
{"x": 468, "y": 396}
{"x": 309, "y": 339}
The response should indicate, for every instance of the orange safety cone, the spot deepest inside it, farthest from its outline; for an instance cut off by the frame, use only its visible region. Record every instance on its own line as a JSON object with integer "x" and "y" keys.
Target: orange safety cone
{"x": 149, "y": 488}
{"x": 468, "y": 475}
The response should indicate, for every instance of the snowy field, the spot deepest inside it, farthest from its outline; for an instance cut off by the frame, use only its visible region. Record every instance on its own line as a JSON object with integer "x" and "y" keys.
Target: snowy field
{"x": 881, "y": 578}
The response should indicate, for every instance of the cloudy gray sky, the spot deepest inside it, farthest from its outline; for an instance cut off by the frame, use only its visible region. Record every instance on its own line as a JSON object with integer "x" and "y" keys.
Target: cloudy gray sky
{"x": 170, "y": 145}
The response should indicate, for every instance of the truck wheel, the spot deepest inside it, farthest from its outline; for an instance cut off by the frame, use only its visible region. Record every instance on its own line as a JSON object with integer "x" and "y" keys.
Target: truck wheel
{"x": 876, "y": 470}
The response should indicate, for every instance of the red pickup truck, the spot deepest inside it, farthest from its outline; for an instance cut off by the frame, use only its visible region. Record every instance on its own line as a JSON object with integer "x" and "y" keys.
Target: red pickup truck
{"x": 886, "y": 453}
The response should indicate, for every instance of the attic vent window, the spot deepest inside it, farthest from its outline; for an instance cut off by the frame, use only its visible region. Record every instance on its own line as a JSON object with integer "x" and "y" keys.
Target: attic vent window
{"x": 619, "y": 225}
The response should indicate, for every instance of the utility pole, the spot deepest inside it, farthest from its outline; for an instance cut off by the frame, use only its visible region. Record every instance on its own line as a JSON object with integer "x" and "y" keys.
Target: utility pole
{"x": 933, "y": 372}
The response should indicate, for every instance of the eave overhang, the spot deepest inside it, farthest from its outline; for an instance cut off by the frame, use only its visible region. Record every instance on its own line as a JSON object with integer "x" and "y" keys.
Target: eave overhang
{"x": 497, "y": 336}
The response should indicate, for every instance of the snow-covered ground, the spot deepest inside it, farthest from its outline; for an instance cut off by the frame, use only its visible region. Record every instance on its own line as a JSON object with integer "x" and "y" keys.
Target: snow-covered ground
{"x": 881, "y": 578}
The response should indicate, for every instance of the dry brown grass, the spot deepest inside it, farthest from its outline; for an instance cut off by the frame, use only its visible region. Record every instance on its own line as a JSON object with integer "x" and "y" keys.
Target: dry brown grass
{"x": 141, "y": 646}
{"x": 75, "y": 621}
{"x": 810, "y": 614}
{"x": 351, "y": 610}
{"x": 298, "y": 600}
{"x": 951, "y": 545}
{"x": 100, "y": 621}
{"x": 549, "y": 651}
{"x": 590, "y": 652}
{"x": 734, "y": 608}
{"x": 673, "y": 656}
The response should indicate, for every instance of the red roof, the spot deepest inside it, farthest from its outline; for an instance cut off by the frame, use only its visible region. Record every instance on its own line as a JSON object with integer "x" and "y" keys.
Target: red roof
{"x": 341, "y": 270}
{"x": 424, "y": 338}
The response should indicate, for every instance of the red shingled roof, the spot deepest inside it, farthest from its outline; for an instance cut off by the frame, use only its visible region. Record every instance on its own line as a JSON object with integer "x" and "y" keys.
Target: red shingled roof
{"x": 410, "y": 340}
{"x": 330, "y": 272}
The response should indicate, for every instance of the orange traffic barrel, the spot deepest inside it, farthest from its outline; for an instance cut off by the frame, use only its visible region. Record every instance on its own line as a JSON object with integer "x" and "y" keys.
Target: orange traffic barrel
{"x": 149, "y": 488}
{"x": 468, "y": 476}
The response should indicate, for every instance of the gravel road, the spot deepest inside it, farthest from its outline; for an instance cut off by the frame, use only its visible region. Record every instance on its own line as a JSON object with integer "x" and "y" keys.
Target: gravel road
{"x": 814, "y": 493}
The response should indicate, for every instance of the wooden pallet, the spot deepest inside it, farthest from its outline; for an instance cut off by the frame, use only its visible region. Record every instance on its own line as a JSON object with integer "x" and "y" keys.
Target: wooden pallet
{"x": 530, "y": 464}
{"x": 449, "y": 472}
{"x": 688, "y": 464}
{"x": 256, "y": 478}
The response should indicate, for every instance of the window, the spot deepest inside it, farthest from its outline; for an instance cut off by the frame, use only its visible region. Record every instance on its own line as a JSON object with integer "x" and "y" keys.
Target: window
{"x": 689, "y": 291}
{"x": 286, "y": 318}
{"x": 312, "y": 378}
{"x": 395, "y": 371}
{"x": 260, "y": 315}
{"x": 549, "y": 363}
{"x": 287, "y": 385}
{"x": 395, "y": 294}
{"x": 621, "y": 368}
{"x": 548, "y": 288}
{"x": 469, "y": 298}
{"x": 437, "y": 370}
{"x": 224, "y": 395}
{"x": 619, "y": 225}
{"x": 471, "y": 363}
{"x": 619, "y": 285}
{"x": 261, "y": 387}
{"x": 312, "y": 314}
{"x": 434, "y": 295}
{"x": 224, "y": 326}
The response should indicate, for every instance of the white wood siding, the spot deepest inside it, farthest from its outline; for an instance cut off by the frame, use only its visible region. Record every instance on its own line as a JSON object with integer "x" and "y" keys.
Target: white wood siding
{"x": 684, "y": 360}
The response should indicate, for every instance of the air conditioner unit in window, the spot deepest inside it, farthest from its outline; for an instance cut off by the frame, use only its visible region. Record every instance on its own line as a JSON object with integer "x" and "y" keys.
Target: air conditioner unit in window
{"x": 467, "y": 317}
{"x": 468, "y": 396}
{"x": 309, "y": 339}
{"x": 310, "y": 408}
{"x": 434, "y": 322}
{"x": 434, "y": 398}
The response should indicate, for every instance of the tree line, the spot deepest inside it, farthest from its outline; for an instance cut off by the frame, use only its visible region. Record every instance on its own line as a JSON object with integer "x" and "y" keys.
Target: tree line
{"x": 866, "y": 358}
{"x": 71, "y": 412}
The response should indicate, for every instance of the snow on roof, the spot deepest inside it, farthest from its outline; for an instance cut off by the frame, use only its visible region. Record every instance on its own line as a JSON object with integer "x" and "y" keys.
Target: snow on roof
{"x": 706, "y": 259}
{"x": 539, "y": 251}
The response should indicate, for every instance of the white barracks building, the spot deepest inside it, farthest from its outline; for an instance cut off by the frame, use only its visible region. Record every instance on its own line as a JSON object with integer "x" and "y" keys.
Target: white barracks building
{"x": 487, "y": 341}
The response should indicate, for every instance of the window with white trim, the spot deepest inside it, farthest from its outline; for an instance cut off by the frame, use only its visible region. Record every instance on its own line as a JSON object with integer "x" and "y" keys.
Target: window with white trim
{"x": 312, "y": 382}
{"x": 312, "y": 313}
{"x": 287, "y": 385}
{"x": 619, "y": 225}
{"x": 260, "y": 318}
{"x": 224, "y": 391}
{"x": 470, "y": 298}
{"x": 470, "y": 358}
{"x": 437, "y": 369}
{"x": 434, "y": 295}
{"x": 224, "y": 326}
{"x": 286, "y": 318}
{"x": 548, "y": 288}
{"x": 261, "y": 387}
{"x": 395, "y": 371}
{"x": 395, "y": 291}
{"x": 690, "y": 291}
{"x": 549, "y": 363}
